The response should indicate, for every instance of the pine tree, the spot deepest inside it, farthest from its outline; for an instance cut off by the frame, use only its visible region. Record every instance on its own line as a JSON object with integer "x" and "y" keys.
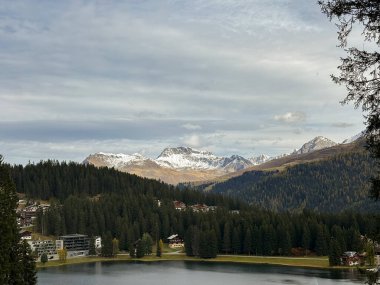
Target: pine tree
{"x": 306, "y": 238}
{"x": 188, "y": 241}
{"x": 227, "y": 238}
{"x": 140, "y": 249}
{"x": 28, "y": 265}
{"x": 16, "y": 260}
{"x": 236, "y": 244}
{"x": 147, "y": 243}
{"x": 107, "y": 247}
{"x": 92, "y": 250}
{"x": 335, "y": 252}
{"x": 248, "y": 242}
{"x": 44, "y": 258}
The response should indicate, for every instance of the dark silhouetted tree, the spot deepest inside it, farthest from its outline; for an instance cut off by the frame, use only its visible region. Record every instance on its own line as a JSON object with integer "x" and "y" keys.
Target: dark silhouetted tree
{"x": 360, "y": 70}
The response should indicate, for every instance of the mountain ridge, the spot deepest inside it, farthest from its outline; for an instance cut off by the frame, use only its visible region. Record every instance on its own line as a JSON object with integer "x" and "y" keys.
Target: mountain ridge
{"x": 185, "y": 164}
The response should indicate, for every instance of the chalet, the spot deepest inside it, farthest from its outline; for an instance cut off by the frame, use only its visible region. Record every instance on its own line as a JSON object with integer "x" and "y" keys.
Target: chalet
{"x": 179, "y": 206}
{"x": 200, "y": 208}
{"x": 175, "y": 241}
{"x": 351, "y": 258}
{"x": 25, "y": 235}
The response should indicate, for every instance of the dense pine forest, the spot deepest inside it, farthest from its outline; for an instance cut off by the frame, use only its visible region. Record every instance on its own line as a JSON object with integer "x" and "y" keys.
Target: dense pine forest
{"x": 330, "y": 185}
{"x": 105, "y": 202}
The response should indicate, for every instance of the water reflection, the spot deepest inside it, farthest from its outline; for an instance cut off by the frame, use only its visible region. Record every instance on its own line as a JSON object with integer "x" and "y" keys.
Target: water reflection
{"x": 174, "y": 273}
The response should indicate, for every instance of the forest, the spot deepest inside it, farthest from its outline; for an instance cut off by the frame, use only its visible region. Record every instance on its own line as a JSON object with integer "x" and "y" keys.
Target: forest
{"x": 105, "y": 202}
{"x": 331, "y": 185}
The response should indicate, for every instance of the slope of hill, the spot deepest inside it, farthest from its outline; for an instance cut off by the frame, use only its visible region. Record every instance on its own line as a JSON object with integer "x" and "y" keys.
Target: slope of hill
{"x": 185, "y": 164}
{"x": 333, "y": 184}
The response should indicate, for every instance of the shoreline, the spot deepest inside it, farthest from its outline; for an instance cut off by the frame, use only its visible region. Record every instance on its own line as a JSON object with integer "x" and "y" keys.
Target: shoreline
{"x": 300, "y": 262}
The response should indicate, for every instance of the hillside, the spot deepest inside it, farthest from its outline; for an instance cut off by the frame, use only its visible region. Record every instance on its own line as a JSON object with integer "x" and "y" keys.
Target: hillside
{"x": 101, "y": 201}
{"x": 332, "y": 184}
{"x": 184, "y": 164}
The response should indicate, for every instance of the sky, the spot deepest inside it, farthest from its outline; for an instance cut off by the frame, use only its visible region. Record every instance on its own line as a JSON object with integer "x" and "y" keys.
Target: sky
{"x": 232, "y": 77}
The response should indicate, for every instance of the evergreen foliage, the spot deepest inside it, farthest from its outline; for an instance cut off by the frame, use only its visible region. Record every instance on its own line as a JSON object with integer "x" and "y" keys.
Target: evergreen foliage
{"x": 107, "y": 245}
{"x": 28, "y": 265}
{"x": 331, "y": 185}
{"x": 17, "y": 264}
{"x": 359, "y": 71}
{"x": 44, "y": 258}
{"x": 159, "y": 248}
{"x": 335, "y": 252}
{"x": 147, "y": 242}
{"x": 126, "y": 214}
{"x": 92, "y": 250}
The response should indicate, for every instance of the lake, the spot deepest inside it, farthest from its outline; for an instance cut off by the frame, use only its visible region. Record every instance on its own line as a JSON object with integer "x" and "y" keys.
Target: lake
{"x": 198, "y": 273}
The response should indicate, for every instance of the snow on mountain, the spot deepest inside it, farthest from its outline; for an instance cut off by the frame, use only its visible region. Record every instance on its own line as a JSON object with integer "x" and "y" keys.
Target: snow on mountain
{"x": 117, "y": 160}
{"x": 354, "y": 138}
{"x": 180, "y": 158}
{"x": 260, "y": 159}
{"x": 235, "y": 163}
{"x": 186, "y": 157}
{"x": 315, "y": 144}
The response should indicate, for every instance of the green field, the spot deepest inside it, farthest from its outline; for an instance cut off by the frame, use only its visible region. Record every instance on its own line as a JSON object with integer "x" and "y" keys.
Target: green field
{"x": 313, "y": 262}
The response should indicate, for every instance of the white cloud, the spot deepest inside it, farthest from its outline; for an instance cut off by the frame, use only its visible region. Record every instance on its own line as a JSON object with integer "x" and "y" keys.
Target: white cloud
{"x": 191, "y": 127}
{"x": 291, "y": 117}
{"x": 148, "y": 72}
{"x": 192, "y": 140}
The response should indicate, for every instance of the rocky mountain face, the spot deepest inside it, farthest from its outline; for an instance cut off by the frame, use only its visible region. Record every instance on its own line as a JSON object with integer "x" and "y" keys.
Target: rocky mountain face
{"x": 315, "y": 144}
{"x": 185, "y": 164}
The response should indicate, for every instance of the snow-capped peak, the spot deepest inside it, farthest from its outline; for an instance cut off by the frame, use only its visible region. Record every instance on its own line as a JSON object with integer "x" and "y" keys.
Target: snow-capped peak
{"x": 315, "y": 144}
{"x": 260, "y": 159}
{"x": 186, "y": 157}
{"x": 354, "y": 138}
{"x": 118, "y": 160}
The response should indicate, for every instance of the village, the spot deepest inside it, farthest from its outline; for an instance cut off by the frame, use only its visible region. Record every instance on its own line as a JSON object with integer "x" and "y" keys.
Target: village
{"x": 79, "y": 244}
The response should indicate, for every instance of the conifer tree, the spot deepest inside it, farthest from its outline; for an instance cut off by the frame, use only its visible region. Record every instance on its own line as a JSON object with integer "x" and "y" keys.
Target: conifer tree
{"x": 92, "y": 250}
{"x": 227, "y": 238}
{"x": 147, "y": 243}
{"x": 16, "y": 260}
{"x": 248, "y": 242}
{"x": 335, "y": 252}
{"x": 28, "y": 265}
{"x": 107, "y": 246}
{"x": 140, "y": 249}
{"x": 44, "y": 258}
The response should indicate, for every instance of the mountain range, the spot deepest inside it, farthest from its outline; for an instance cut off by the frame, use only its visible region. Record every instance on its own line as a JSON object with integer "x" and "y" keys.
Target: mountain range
{"x": 185, "y": 164}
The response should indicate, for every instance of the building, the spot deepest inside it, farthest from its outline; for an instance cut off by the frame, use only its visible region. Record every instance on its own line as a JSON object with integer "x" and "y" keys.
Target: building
{"x": 179, "y": 206}
{"x": 27, "y": 235}
{"x": 175, "y": 241}
{"x": 200, "y": 208}
{"x": 351, "y": 258}
{"x": 43, "y": 246}
{"x": 75, "y": 244}
{"x": 98, "y": 242}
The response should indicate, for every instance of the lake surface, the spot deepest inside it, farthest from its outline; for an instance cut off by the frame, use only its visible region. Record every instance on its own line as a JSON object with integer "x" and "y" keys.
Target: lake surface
{"x": 194, "y": 273}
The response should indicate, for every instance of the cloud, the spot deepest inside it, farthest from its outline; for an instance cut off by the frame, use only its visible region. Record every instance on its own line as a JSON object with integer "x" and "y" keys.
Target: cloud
{"x": 192, "y": 140}
{"x": 189, "y": 126}
{"x": 342, "y": 125}
{"x": 291, "y": 117}
{"x": 207, "y": 73}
